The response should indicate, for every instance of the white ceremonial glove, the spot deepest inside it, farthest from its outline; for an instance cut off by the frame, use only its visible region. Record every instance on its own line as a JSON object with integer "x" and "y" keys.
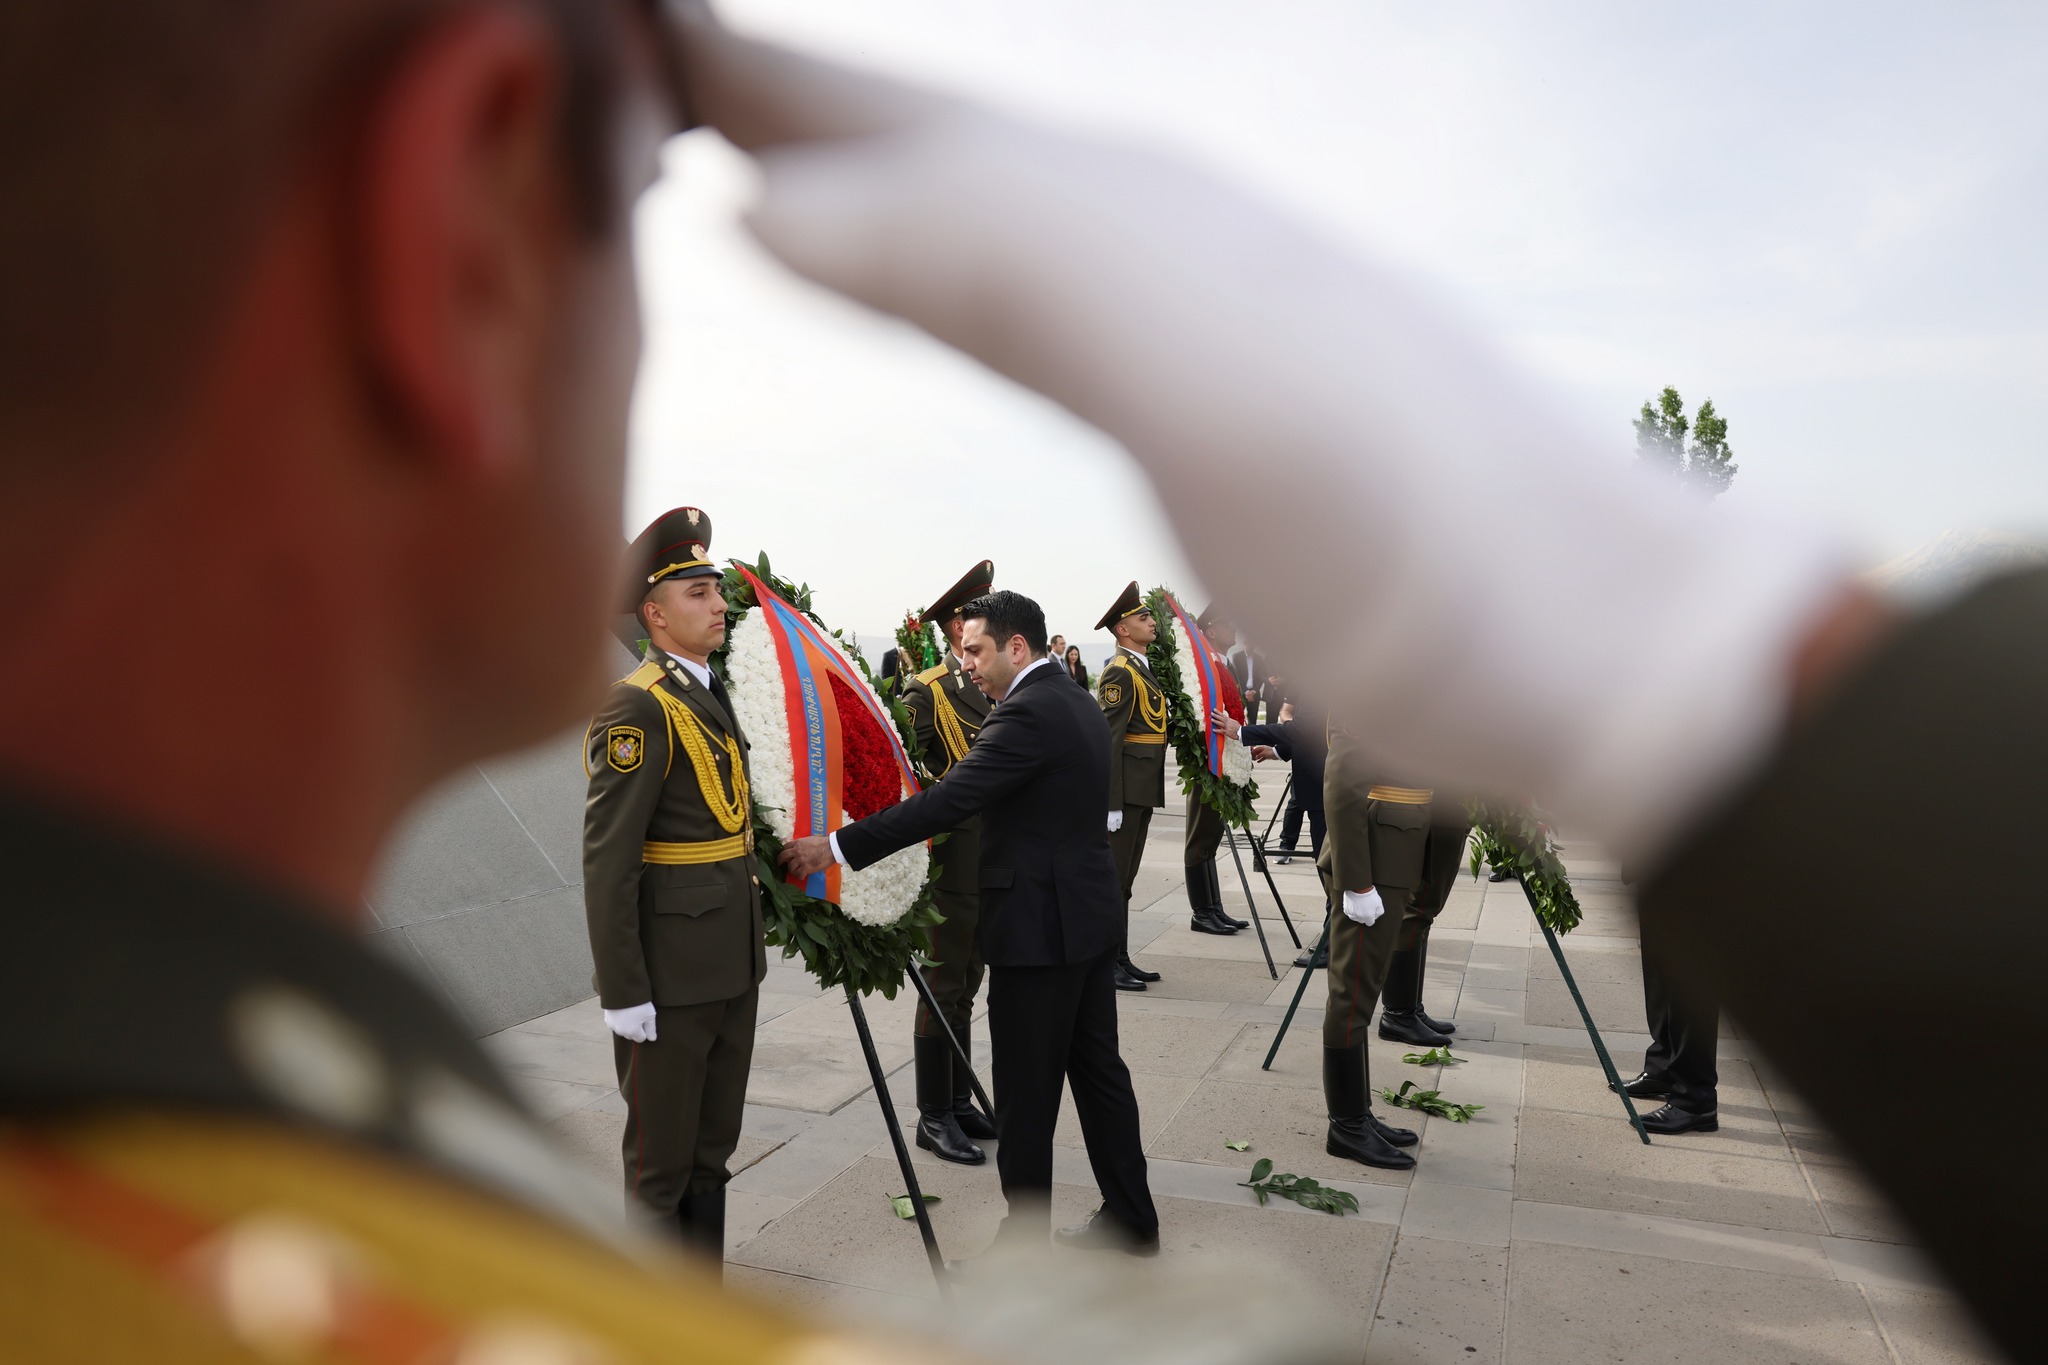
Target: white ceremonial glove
{"x": 1363, "y": 907}
{"x": 634, "y": 1024}
{"x": 1116, "y": 821}
{"x": 1638, "y": 649}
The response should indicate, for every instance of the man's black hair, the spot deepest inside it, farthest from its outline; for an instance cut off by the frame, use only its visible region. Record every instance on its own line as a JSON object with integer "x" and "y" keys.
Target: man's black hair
{"x": 1009, "y": 613}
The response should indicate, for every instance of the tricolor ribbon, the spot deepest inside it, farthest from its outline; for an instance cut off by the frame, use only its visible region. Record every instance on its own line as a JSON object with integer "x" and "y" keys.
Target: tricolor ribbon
{"x": 1207, "y": 680}
{"x": 808, "y": 657}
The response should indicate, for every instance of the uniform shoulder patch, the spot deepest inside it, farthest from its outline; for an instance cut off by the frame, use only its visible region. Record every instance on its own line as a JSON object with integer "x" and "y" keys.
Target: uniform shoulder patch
{"x": 932, "y": 674}
{"x": 644, "y": 677}
{"x": 1112, "y": 692}
{"x": 625, "y": 746}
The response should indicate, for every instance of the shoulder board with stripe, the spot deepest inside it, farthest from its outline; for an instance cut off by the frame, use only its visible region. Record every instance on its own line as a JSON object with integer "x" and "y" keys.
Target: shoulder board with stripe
{"x": 932, "y": 674}
{"x": 644, "y": 677}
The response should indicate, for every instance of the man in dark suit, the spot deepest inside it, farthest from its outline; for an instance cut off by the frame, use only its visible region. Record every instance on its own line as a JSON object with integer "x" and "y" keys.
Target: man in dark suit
{"x": 1052, "y": 919}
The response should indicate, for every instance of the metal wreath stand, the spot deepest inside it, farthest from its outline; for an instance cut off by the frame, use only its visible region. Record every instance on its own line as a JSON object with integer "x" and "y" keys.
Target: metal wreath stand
{"x": 1556, "y": 953}
{"x": 881, "y": 1083}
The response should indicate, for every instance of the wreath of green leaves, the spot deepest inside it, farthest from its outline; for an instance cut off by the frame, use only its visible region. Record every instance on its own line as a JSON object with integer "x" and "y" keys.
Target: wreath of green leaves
{"x": 1512, "y": 838}
{"x": 1184, "y": 724}
{"x": 917, "y": 644}
{"x": 838, "y": 950}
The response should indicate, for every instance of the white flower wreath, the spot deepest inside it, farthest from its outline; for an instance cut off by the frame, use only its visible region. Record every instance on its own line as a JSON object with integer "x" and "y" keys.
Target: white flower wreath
{"x": 878, "y": 895}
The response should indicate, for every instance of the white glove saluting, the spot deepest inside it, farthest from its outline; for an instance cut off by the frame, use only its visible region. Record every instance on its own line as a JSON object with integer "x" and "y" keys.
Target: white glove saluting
{"x": 1187, "y": 319}
{"x": 1116, "y": 821}
{"x": 1364, "y": 907}
{"x": 635, "y": 1024}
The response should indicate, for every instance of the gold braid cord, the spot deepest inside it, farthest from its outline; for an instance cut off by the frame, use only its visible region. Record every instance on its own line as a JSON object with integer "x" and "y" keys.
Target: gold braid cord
{"x": 951, "y": 732}
{"x": 732, "y": 811}
{"x": 1151, "y": 701}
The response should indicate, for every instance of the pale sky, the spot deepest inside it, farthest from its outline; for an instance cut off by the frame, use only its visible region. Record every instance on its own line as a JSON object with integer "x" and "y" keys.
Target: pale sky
{"x": 1826, "y": 217}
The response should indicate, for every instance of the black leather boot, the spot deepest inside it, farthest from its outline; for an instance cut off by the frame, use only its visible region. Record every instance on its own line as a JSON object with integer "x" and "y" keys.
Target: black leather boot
{"x": 1673, "y": 1119}
{"x": 1203, "y": 917}
{"x": 1216, "y": 899}
{"x": 701, "y": 1220}
{"x": 1353, "y": 1133}
{"x": 938, "y": 1132}
{"x": 1128, "y": 967}
{"x": 1317, "y": 957}
{"x": 1400, "y": 1137}
{"x": 1422, "y": 975}
{"x": 973, "y": 1123}
{"x": 1400, "y": 1003}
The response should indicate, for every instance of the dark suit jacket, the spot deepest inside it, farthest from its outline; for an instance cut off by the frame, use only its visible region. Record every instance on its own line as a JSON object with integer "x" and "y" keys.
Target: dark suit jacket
{"x": 1038, "y": 776}
{"x": 1304, "y": 742}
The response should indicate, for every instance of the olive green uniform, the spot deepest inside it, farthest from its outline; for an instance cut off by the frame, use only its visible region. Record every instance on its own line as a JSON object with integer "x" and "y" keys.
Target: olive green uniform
{"x": 674, "y": 911}
{"x": 1397, "y": 841}
{"x": 1135, "y": 708}
{"x": 948, "y": 711}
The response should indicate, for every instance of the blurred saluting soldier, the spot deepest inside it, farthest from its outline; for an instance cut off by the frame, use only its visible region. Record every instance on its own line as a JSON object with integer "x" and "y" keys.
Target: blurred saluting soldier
{"x": 948, "y": 711}
{"x": 670, "y": 891}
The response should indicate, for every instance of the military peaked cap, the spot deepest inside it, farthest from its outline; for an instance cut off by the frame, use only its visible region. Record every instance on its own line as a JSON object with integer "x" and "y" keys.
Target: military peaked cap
{"x": 977, "y": 581}
{"x": 1128, "y": 603}
{"x": 1210, "y": 616}
{"x": 677, "y": 544}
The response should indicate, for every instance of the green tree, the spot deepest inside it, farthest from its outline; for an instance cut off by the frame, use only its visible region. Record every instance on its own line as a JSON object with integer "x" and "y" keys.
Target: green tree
{"x": 1706, "y": 465}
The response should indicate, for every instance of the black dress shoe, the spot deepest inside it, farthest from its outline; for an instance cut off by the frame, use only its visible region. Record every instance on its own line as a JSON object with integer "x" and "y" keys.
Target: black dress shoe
{"x": 1132, "y": 969}
{"x": 1407, "y": 1028}
{"x": 1321, "y": 954}
{"x": 1500, "y": 875}
{"x": 1233, "y": 921}
{"x": 1209, "y": 922}
{"x": 1647, "y": 1087}
{"x": 1104, "y": 1233}
{"x": 1124, "y": 981}
{"x": 1438, "y": 1024}
{"x": 1672, "y": 1119}
{"x": 940, "y": 1135}
{"x": 1358, "y": 1139}
{"x": 1400, "y": 1137}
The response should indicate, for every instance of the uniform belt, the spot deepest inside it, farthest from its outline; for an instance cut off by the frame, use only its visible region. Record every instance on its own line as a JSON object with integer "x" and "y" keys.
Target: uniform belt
{"x": 1144, "y": 739}
{"x": 1402, "y": 796}
{"x": 706, "y": 851}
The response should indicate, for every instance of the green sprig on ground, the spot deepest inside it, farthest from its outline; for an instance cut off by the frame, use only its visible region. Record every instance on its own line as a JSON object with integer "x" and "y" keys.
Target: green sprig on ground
{"x": 905, "y": 1208}
{"x": 1429, "y": 1102}
{"x": 1300, "y": 1188}
{"x": 1436, "y": 1056}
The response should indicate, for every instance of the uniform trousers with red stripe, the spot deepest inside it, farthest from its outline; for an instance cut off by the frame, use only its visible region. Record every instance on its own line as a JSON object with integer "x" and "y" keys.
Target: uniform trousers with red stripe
{"x": 1359, "y": 954}
{"x": 685, "y": 1093}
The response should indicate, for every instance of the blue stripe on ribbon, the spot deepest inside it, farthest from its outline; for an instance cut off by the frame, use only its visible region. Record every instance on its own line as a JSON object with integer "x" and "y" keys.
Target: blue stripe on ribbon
{"x": 1212, "y": 696}
{"x": 816, "y": 771}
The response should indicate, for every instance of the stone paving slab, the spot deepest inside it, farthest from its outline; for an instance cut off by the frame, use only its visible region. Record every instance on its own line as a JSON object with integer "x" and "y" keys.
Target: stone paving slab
{"x": 1542, "y": 1231}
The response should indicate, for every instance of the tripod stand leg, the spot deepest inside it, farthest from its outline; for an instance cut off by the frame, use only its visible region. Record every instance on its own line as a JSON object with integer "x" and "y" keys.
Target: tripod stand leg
{"x": 1274, "y": 818}
{"x": 1299, "y": 991}
{"x": 924, "y": 1219}
{"x": 1249, "y": 900}
{"x": 931, "y": 1003}
{"x": 1599, "y": 1047}
{"x": 1259, "y": 863}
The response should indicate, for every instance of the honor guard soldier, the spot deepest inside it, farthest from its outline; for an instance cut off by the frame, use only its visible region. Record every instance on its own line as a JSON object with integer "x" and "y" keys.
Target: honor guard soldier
{"x": 1135, "y": 706}
{"x": 1387, "y": 866}
{"x": 670, "y": 890}
{"x": 948, "y": 711}
{"x": 1204, "y": 825}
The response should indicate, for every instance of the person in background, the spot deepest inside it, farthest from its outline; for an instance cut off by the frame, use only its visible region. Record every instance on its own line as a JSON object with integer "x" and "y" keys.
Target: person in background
{"x": 1248, "y": 671}
{"x": 1076, "y": 670}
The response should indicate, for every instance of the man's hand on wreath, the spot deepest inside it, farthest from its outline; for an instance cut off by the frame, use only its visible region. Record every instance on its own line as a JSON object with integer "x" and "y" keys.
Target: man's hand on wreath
{"x": 802, "y": 857}
{"x": 1262, "y": 752}
{"x": 1223, "y": 721}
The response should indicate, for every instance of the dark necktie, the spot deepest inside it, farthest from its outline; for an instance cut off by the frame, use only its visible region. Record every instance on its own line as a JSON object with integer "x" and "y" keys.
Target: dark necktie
{"x": 717, "y": 690}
